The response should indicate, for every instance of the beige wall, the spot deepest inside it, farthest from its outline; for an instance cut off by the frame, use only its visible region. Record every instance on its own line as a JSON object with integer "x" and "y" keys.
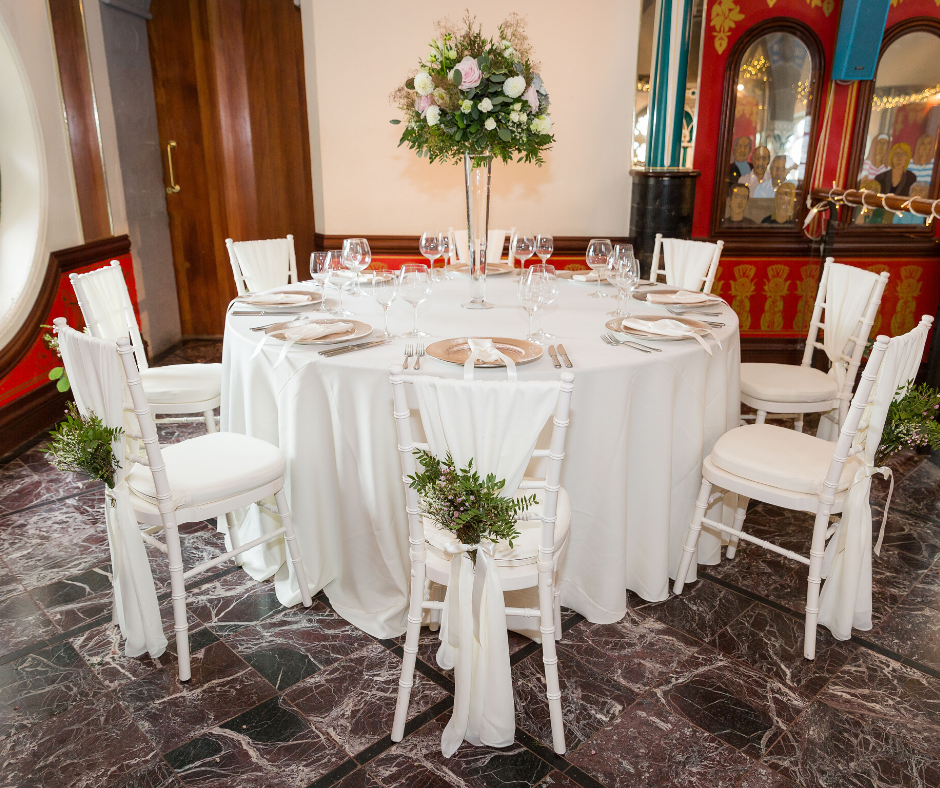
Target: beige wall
{"x": 358, "y": 51}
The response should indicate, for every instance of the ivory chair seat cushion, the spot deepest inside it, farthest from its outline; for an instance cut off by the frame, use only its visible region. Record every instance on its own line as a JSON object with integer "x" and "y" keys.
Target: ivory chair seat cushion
{"x": 211, "y": 468}
{"x": 787, "y": 383}
{"x": 525, "y": 549}
{"x": 182, "y": 383}
{"x": 779, "y": 457}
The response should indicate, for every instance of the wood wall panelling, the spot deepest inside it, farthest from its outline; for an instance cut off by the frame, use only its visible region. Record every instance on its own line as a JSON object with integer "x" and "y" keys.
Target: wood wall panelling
{"x": 68, "y": 28}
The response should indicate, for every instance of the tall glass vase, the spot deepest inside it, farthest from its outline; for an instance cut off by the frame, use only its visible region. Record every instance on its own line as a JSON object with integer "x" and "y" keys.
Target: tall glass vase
{"x": 477, "y": 173}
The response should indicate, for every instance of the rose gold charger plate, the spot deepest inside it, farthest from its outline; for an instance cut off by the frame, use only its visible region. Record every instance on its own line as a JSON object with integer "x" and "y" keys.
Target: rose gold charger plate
{"x": 616, "y": 325}
{"x": 640, "y": 295}
{"x": 312, "y": 299}
{"x": 457, "y": 351}
{"x": 358, "y": 331}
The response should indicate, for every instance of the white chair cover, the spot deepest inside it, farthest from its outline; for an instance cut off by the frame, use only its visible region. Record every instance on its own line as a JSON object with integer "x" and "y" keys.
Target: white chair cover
{"x": 845, "y": 600}
{"x": 847, "y": 294}
{"x": 110, "y": 303}
{"x": 686, "y": 262}
{"x": 495, "y": 423}
{"x": 94, "y": 371}
{"x": 264, "y": 264}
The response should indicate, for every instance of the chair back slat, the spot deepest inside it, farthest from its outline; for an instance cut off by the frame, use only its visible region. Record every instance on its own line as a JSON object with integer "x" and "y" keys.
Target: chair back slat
{"x": 261, "y": 265}
{"x": 708, "y": 279}
{"x": 816, "y": 321}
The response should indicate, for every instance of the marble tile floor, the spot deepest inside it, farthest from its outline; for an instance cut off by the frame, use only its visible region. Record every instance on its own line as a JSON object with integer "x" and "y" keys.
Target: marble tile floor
{"x": 707, "y": 690}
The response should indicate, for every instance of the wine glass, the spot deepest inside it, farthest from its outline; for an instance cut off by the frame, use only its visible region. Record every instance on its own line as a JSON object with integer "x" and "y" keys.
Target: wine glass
{"x": 318, "y": 273}
{"x": 357, "y": 256}
{"x": 529, "y": 293}
{"x": 597, "y": 256}
{"x": 444, "y": 245}
{"x": 414, "y": 285}
{"x": 548, "y": 284}
{"x": 335, "y": 269}
{"x": 544, "y": 246}
{"x": 625, "y": 277}
{"x": 430, "y": 247}
{"x": 383, "y": 287}
{"x": 523, "y": 247}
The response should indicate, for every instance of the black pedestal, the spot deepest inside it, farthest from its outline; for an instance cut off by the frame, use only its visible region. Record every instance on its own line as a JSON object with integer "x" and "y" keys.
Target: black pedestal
{"x": 662, "y": 202}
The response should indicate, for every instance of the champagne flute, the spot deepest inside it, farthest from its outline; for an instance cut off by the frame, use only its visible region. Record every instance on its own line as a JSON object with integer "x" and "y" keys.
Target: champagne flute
{"x": 529, "y": 293}
{"x": 430, "y": 247}
{"x": 444, "y": 246}
{"x": 414, "y": 285}
{"x": 335, "y": 269}
{"x": 318, "y": 273}
{"x": 523, "y": 247}
{"x": 383, "y": 287}
{"x": 625, "y": 278}
{"x": 544, "y": 246}
{"x": 548, "y": 285}
{"x": 357, "y": 256}
{"x": 620, "y": 255}
{"x": 597, "y": 256}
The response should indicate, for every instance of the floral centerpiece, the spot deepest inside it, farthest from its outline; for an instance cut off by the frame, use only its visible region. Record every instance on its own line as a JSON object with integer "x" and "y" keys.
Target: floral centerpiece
{"x": 473, "y": 98}
{"x": 460, "y": 501}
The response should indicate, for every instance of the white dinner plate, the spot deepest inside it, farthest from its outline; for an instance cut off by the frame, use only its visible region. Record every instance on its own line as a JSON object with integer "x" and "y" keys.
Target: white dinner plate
{"x": 568, "y": 276}
{"x": 492, "y": 269}
{"x": 640, "y": 295}
{"x": 302, "y": 298}
{"x": 358, "y": 331}
{"x": 616, "y": 325}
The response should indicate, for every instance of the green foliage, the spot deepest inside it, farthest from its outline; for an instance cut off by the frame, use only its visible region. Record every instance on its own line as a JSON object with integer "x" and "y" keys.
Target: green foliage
{"x": 519, "y": 132}
{"x": 83, "y": 445}
{"x": 460, "y": 501}
{"x": 57, "y": 374}
{"x": 911, "y": 422}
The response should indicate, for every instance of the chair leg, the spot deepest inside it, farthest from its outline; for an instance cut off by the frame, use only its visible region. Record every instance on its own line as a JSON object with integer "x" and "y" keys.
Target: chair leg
{"x": 233, "y": 535}
{"x": 291, "y": 538}
{"x": 178, "y": 594}
{"x": 691, "y": 541}
{"x": 761, "y": 417}
{"x": 739, "y": 516}
{"x": 549, "y": 654}
{"x": 210, "y": 421}
{"x": 412, "y": 637}
{"x": 816, "y": 553}
{"x": 798, "y": 424}
{"x": 556, "y": 607}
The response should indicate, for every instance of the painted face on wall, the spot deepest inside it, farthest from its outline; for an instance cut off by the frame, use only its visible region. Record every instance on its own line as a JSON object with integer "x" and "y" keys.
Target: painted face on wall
{"x": 923, "y": 150}
{"x": 778, "y": 170}
{"x": 760, "y": 161}
{"x": 738, "y": 202}
{"x": 881, "y": 149}
{"x": 742, "y": 148}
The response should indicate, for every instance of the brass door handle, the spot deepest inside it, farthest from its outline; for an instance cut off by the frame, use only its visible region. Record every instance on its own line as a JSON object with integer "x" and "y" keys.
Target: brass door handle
{"x": 173, "y": 188}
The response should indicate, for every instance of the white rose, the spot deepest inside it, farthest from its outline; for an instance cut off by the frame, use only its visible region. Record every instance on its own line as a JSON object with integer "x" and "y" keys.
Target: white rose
{"x": 466, "y": 107}
{"x": 432, "y": 58}
{"x": 544, "y": 124}
{"x": 451, "y": 53}
{"x": 486, "y": 105}
{"x": 423, "y": 83}
{"x": 439, "y": 95}
{"x": 517, "y": 106}
{"x": 514, "y": 117}
{"x": 490, "y": 124}
{"x": 433, "y": 115}
{"x": 514, "y": 86}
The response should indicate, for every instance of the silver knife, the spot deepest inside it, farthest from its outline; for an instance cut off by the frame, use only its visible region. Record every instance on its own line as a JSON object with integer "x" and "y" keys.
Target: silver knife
{"x": 564, "y": 355}
{"x": 352, "y": 348}
{"x": 262, "y": 312}
{"x": 555, "y": 361}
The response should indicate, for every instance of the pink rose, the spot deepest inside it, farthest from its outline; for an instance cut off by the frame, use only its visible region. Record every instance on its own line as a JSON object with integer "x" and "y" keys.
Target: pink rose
{"x": 469, "y": 72}
{"x": 422, "y": 103}
{"x": 532, "y": 96}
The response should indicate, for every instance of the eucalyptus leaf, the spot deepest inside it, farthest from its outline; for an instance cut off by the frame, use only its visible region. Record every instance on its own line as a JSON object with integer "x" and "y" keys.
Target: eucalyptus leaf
{"x": 497, "y": 77}
{"x": 456, "y": 77}
{"x": 62, "y": 384}
{"x": 410, "y": 84}
{"x": 394, "y": 121}
{"x": 504, "y": 134}
{"x": 55, "y": 374}
{"x": 459, "y": 134}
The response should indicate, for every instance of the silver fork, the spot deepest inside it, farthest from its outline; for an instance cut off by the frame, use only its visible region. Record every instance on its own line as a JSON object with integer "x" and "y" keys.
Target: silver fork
{"x": 618, "y": 341}
{"x": 610, "y": 340}
{"x": 680, "y": 312}
{"x": 419, "y": 354}
{"x": 408, "y": 355}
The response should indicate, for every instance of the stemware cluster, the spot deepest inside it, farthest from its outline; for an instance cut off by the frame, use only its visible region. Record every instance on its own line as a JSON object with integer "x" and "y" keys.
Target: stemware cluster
{"x": 432, "y": 246}
{"x": 538, "y": 287}
{"x": 524, "y": 246}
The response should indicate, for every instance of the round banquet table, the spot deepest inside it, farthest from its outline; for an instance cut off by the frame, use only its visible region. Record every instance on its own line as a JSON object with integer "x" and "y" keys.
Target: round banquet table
{"x": 639, "y": 426}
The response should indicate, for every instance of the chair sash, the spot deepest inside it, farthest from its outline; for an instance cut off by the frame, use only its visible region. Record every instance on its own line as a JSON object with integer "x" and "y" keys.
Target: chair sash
{"x": 846, "y": 597}
{"x": 264, "y": 264}
{"x": 686, "y": 262}
{"x": 108, "y": 304}
{"x": 94, "y": 371}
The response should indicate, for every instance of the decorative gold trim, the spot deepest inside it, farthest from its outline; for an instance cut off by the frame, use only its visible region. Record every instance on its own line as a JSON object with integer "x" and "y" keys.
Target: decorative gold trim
{"x": 725, "y": 13}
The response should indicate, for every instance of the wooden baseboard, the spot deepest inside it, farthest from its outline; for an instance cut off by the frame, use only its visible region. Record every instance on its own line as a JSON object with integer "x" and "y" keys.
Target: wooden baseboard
{"x": 769, "y": 350}
{"x": 408, "y": 244}
{"x": 25, "y": 418}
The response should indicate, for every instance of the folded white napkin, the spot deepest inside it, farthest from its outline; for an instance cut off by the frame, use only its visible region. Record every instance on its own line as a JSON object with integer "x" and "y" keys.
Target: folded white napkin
{"x": 589, "y": 277}
{"x": 483, "y": 348}
{"x": 301, "y": 330}
{"x": 667, "y": 328}
{"x": 683, "y": 297}
{"x": 350, "y": 276}
{"x": 276, "y": 299}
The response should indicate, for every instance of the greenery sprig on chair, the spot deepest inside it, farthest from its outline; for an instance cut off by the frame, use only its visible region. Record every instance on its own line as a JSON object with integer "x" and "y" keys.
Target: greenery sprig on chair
{"x": 911, "y": 422}
{"x": 82, "y": 444}
{"x": 460, "y": 501}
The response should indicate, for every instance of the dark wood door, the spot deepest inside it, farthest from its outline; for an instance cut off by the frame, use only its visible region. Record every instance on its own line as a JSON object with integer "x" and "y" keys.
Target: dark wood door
{"x": 229, "y": 88}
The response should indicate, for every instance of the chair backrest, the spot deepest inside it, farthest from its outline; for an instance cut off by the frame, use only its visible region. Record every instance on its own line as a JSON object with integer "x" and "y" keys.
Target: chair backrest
{"x": 106, "y": 306}
{"x": 495, "y": 241}
{"x": 692, "y": 248}
{"x": 860, "y": 315}
{"x": 261, "y": 265}
{"x": 405, "y": 402}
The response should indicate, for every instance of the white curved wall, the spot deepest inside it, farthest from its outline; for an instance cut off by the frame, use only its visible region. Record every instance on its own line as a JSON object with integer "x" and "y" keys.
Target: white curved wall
{"x": 38, "y": 206}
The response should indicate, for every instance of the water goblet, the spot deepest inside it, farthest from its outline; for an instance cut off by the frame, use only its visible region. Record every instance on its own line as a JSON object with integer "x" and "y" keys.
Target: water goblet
{"x": 597, "y": 257}
{"x": 529, "y": 293}
{"x": 383, "y": 287}
{"x": 548, "y": 285}
{"x": 625, "y": 278}
{"x": 337, "y": 277}
{"x": 430, "y": 247}
{"x": 318, "y": 273}
{"x": 357, "y": 256}
{"x": 523, "y": 247}
{"x": 444, "y": 245}
{"x": 414, "y": 286}
{"x": 544, "y": 246}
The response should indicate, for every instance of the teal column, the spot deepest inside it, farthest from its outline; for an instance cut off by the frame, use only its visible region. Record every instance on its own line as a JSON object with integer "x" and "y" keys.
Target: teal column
{"x": 668, "y": 74}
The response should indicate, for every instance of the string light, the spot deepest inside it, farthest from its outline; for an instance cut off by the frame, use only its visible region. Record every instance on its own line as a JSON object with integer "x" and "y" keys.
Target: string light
{"x": 893, "y": 102}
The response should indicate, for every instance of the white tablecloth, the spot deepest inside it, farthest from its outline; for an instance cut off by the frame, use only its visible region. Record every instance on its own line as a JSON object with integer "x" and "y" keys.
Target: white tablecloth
{"x": 640, "y": 425}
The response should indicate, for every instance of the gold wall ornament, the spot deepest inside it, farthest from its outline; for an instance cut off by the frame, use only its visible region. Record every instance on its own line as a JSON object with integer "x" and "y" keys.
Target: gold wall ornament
{"x": 775, "y": 289}
{"x": 742, "y": 289}
{"x": 725, "y": 13}
{"x": 826, "y": 5}
{"x": 909, "y": 288}
{"x": 806, "y": 289}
